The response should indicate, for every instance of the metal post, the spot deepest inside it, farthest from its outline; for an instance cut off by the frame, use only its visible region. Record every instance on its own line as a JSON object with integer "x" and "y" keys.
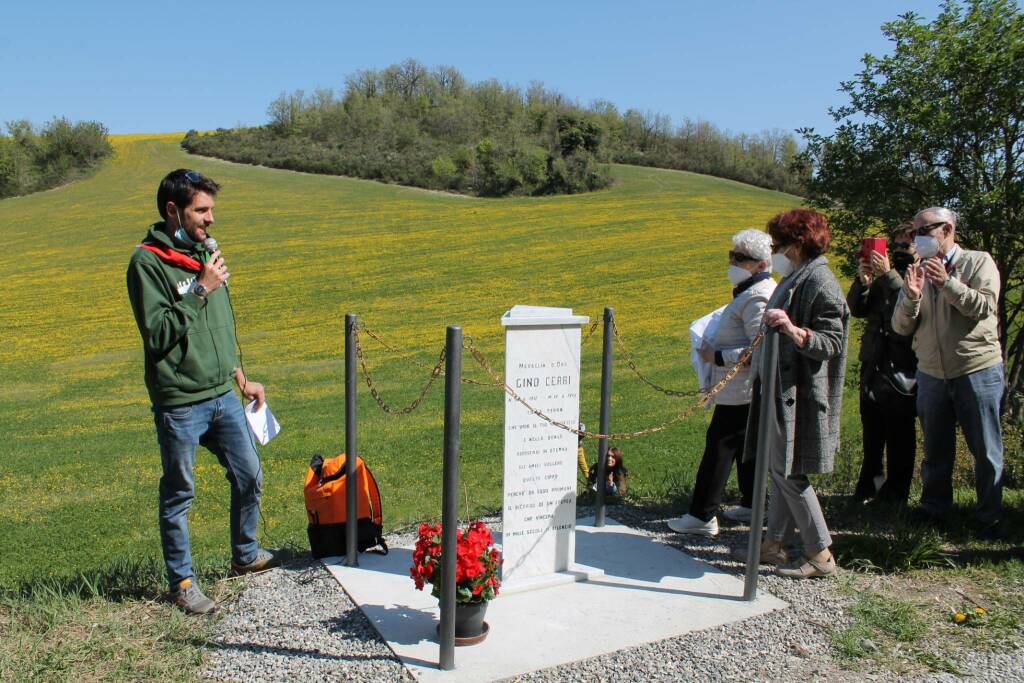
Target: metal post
{"x": 768, "y": 374}
{"x": 606, "y": 408}
{"x": 449, "y": 493}
{"x": 351, "y": 513}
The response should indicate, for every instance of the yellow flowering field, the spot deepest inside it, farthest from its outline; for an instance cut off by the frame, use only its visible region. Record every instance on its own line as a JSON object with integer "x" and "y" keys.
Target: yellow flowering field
{"x": 79, "y": 462}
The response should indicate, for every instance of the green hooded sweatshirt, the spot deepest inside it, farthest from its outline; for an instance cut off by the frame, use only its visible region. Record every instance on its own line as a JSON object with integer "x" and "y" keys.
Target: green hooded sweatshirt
{"x": 189, "y": 342}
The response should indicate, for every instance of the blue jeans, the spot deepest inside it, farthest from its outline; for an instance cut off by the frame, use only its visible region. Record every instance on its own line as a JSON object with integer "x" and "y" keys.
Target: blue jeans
{"x": 219, "y": 425}
{"x": 973, "y": 401}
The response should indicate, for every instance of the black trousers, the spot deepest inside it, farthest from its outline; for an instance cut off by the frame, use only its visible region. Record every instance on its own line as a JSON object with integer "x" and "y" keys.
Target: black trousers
{"x": 723, "y": 445}
{"x": 890, "y": 431}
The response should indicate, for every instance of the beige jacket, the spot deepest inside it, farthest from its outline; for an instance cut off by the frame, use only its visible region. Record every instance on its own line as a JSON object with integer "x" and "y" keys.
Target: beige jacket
{"x": 955, "y": 327}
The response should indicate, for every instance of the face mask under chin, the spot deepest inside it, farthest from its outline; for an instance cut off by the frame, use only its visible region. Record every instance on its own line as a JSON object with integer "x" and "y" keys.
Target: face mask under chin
{"x": 181, "y": 235}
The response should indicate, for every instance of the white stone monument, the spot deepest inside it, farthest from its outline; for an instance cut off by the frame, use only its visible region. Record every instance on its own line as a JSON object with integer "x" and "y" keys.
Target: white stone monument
{"x": 542, "y": 365}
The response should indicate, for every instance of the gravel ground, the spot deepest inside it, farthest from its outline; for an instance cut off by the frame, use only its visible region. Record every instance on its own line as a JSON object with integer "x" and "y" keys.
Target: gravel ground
{"x": 295, "y": 623}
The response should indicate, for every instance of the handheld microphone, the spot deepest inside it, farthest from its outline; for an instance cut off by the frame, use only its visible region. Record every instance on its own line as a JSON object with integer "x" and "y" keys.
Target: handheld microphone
{"x": 210, "y": 244}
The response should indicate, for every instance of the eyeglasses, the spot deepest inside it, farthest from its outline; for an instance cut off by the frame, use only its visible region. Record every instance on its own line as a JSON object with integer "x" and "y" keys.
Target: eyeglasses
{"x": 194, "y": 176}
{"x": 741, "y": 258}
{"x": 905, "y": 246}
{"x": 777, "y": 247}
{"x": 925, "y": 229}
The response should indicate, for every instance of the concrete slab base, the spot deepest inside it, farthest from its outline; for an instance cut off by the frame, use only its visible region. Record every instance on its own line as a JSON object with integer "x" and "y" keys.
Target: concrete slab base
{"x": 576, "y": 572}
{"x": 648, "y": 592}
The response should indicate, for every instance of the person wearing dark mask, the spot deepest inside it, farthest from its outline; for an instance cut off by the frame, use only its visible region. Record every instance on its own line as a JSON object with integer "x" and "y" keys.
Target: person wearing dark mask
{"x": 888, "y": 390}
{"x": 750, "y": 275}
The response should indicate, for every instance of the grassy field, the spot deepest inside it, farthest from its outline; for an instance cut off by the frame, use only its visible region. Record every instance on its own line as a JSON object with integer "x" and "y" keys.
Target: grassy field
{"x": 79, "y": 462}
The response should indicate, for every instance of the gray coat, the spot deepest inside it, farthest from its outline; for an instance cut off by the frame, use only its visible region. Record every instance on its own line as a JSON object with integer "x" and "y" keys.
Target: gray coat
{"x": 810, "y": 380}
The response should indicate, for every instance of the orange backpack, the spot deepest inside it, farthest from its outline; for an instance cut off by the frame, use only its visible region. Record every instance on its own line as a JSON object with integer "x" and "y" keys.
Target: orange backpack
{"x": 325, "y": 488}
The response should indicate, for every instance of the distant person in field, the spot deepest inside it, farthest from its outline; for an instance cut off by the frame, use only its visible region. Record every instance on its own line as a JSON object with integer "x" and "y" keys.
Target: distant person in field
{"x": 809, "y": 312}
{"x": 888, "y": 388}
{"x": 750, "y": 275}
{"x": 950, "y": 305}
{"x": 178, "y": 292}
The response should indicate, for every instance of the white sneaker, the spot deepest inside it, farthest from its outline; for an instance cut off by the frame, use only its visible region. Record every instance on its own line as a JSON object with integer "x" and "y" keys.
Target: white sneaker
{"x": 688, "y": 524}
{"x": 737, "y": 513}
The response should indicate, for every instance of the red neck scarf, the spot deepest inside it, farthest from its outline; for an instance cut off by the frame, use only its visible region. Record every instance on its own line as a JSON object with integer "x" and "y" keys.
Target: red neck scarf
{"x": 174, "y": 258}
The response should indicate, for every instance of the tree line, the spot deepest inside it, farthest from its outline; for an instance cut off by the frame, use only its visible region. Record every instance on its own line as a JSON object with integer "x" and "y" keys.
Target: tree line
{"x": 939, "y": 121}
{"x": 430, "y": 127}
{"x": 32, "y": 160}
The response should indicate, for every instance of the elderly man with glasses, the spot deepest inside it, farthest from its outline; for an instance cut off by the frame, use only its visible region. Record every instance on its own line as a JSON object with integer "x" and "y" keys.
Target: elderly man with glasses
{"x": 178, "y": 292}
{"x": 949, "y": 305}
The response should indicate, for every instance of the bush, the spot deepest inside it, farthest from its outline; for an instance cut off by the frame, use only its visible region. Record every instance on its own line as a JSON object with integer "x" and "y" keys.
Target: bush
{"x": 427, "y": 127}
{"x": 59, "y": 153}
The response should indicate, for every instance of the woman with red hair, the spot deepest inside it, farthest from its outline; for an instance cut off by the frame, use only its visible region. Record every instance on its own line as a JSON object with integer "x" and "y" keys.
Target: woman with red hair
{"x": 810, "y": 314}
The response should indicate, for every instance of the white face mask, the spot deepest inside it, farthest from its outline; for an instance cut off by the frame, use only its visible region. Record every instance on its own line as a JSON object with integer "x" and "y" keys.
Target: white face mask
{"x": 738, "y": 275}
{"x": 782, "y": 265}
{"x": 927, "y": 246}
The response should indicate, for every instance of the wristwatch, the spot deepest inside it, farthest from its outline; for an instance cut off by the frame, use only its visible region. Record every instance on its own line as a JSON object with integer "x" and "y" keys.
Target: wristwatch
{"x": 198, "y": 289}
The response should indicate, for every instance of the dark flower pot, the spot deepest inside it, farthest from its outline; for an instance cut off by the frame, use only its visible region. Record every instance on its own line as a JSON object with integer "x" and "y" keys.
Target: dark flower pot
{"x": 469, "y": 619}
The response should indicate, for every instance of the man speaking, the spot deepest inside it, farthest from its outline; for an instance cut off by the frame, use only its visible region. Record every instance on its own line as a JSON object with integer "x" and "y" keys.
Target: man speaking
{"x": 178, "y": 291}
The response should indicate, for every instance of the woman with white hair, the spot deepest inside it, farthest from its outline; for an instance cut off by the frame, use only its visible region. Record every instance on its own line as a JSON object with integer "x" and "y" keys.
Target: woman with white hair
{"x": 750, "y": 274}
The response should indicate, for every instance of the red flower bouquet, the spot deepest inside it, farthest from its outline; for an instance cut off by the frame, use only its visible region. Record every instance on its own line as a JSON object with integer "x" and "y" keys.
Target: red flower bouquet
{"x": 476, "y": 567}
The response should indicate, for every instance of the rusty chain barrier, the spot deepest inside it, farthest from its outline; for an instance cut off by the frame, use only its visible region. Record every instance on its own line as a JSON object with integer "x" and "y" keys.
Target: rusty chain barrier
{"x": 622, "y": 436}
{"x": 498, "y": 381}
{"x": 434, "y": 372}
{"x": 389, "y": 347}
{"x": 632, "y": 366}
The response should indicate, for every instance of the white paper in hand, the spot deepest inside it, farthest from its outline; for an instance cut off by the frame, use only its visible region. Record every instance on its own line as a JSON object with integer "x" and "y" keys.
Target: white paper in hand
{"x": 702, "y": 331}
{"x": 262, "y": 422}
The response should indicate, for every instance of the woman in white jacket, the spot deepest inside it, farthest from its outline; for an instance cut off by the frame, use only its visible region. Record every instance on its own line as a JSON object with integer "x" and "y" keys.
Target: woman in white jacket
{"x": 750, "y": 274}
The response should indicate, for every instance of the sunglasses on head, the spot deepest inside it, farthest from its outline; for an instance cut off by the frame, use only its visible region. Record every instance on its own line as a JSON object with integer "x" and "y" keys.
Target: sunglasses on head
{"x": 739, "y": 257}
{"x": 194, "y": 176}
{"x": 925, "y": 229}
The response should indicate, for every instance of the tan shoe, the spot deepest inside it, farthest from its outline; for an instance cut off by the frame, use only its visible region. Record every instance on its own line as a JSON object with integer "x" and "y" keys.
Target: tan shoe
{"x": 809, "y": 569}
{"x": 265, "y": 559}
{"x": 769, "y": 554}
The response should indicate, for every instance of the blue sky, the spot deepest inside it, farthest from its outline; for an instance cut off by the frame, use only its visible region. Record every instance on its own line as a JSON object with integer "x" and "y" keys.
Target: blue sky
{"x": 744, "y": 65}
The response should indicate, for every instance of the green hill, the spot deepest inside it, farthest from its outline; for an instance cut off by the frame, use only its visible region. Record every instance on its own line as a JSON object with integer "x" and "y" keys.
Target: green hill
{"x": 79, "y": 462}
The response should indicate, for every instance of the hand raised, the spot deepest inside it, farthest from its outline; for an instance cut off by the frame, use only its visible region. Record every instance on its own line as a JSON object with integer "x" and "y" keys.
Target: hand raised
{"x": 865, "y": 272}
{"x": 935, "y": 271}
{"x": 214, "y": 272}
{"x": 913, "y": 282}
{"x": 879, "y": 264}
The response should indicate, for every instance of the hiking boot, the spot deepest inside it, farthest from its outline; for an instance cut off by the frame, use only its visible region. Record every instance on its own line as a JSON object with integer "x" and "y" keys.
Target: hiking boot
{"x": 189, "y": 598}
{"x": 265, "y": 559}
{"x": 808, "y": 569}
{"x": 737, "y": 513}
{"x": 688, "y": 524}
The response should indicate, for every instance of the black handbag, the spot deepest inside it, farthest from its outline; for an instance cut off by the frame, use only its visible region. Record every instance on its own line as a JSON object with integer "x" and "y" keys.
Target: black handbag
{"x": 886, "y": 384}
